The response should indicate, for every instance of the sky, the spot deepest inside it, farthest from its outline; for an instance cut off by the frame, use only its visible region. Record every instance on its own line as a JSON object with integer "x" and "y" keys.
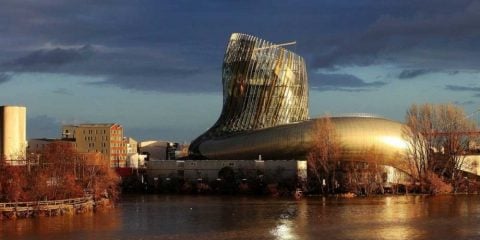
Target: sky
{"x": 154, "y": 66}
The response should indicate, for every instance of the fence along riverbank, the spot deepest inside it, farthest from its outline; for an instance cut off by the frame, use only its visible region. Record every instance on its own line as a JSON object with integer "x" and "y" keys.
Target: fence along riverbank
{"x": 13, "y": 210}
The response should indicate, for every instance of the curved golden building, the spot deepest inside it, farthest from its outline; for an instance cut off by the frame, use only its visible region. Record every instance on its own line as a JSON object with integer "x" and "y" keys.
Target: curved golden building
{"x": 265, "y": 111}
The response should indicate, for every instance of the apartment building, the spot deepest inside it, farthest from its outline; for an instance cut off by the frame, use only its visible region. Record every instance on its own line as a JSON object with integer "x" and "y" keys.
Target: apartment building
{"x": 103, "y": 138}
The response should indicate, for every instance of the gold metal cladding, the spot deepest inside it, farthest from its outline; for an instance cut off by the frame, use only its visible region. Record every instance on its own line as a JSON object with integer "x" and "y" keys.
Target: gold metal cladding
{"x": 264, "y": 85}
{"x": 294, "y": 141}
{"x": 265, "y": 112}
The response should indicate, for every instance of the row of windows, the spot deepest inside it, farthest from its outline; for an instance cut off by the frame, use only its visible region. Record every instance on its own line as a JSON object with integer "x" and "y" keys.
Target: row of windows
{"x": 91, "y": 131}
{"x": 118, "y": 158}
{"x": 116, "y": 138}
{"x": 116, "y": 151}
{"x": 117, "y": 131}
{"x": 96, "y": 150}
{"x": 94, "y": 138}
{"x": 118, "y": 144}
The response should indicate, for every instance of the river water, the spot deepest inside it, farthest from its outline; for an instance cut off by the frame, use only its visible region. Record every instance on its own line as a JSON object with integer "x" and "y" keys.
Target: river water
{"x": 219, "y": 217}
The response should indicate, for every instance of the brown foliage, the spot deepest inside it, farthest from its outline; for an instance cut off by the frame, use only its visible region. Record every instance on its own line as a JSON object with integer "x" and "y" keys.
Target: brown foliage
{"x": 436, "y": 142}
{"x": 12, "y": 183}
{"x": 59, "y": 173}
{"x": 323, "y": 157}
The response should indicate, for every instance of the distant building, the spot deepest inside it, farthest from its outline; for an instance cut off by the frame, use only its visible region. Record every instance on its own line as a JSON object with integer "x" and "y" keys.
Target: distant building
{"x": 13, "y": 127}
{"x": 134, "y": 159}
{"x": 159, "y": 150}
{"x": 38, "y": 145}
{"x": 104, "y": 138}
{"x": 131, "y": 145}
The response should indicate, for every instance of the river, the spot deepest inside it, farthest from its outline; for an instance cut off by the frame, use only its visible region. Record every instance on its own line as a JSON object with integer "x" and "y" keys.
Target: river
{"x": 220, "y": 217}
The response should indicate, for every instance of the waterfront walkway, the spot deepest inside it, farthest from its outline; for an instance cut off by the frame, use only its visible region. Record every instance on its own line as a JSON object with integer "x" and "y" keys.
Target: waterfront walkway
{"x": 46, "y": 208}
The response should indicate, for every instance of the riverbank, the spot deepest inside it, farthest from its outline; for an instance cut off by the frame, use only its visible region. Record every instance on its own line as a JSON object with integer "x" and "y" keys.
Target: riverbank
{"x": 70, "y": 206}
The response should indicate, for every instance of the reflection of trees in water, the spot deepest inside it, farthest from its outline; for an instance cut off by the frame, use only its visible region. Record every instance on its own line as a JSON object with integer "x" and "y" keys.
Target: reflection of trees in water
{"x": 214, "y": 217}
{"x": 63, "y": 227}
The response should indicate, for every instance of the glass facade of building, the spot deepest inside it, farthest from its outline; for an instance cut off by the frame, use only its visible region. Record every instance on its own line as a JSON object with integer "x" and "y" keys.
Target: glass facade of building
{"x": 265, "y": 111}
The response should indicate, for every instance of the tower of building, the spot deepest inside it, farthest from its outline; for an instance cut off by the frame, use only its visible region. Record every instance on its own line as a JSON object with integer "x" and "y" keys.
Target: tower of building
{"x": 13, "y": 134}
{"x": 264, "y": 85}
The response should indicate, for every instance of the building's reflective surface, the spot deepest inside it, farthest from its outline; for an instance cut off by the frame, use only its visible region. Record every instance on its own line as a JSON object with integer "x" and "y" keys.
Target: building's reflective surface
{"x": 214, "y": 217}
{"x": 263, "y": 86}
{"x": 294, "y": 141}
{"x": 265, "y": 112}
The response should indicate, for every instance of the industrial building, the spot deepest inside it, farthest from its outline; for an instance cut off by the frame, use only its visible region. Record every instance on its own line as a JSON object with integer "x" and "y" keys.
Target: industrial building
{"x": 208, "y": 170}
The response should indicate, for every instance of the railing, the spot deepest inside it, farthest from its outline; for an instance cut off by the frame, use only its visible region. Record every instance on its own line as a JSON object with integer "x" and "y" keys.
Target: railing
{"x": 71, "y": 201}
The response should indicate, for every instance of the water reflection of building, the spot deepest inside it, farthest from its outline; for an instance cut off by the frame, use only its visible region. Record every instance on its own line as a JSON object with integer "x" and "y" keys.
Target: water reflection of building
{"x": 265, "y": 112}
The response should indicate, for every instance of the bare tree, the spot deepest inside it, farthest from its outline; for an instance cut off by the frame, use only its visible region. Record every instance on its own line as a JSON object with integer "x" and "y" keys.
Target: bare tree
{"x": 438, "y": 138}
{"x": 419, "y": 133}
{"x": 453, "y": 136}
{"x": 324, "y": 156}
{"x": 374, "y": 170}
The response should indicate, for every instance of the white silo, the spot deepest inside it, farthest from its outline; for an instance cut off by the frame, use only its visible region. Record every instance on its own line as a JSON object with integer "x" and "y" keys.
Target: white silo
{"x": 13, "y": 134}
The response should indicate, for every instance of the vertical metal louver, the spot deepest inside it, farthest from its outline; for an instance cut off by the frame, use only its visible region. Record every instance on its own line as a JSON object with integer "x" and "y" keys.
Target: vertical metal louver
{"x": 264, "y": 85}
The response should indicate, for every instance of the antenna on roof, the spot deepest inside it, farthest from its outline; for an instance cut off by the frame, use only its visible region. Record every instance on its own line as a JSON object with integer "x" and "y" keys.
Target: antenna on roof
{"x": 276, "y": 45}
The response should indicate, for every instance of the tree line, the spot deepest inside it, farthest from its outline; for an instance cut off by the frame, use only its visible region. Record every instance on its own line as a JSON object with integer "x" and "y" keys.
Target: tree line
{"x": 438, "y": 136}
{"x": 57, "y": 172}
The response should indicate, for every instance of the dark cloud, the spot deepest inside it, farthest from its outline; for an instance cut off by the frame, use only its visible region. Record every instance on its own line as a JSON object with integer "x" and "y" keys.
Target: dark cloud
{"x": 458, "y": 88}
{"x": 174, "y": 46}
{"x": 426, "y": 38}
{"x": 43, "y": 126}
{"x": 63, "y": 91}
{"x": 465, "y": 103}
{"x": 462, "y": 88}
{"x": 413, "y": 73}
{"x": 4, "y": 77}
{"x": 137, "y": 70}
{"x": 341, "y": 82}
{"x": 174, "y": 81}
{"x": 49, "y": 59}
